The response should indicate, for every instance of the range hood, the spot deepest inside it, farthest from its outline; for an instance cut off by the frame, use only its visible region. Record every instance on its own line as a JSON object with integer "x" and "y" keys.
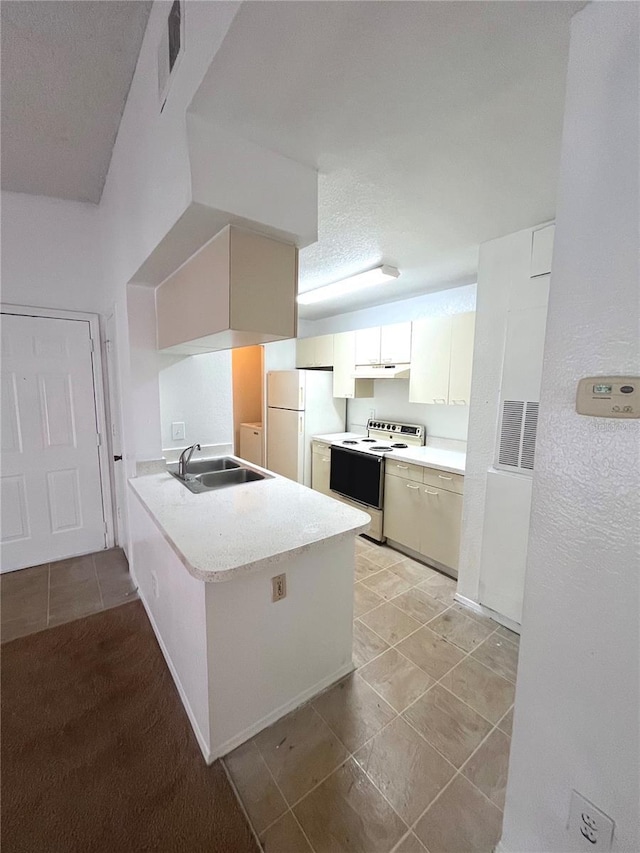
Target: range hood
{"x": 382, "y": 371}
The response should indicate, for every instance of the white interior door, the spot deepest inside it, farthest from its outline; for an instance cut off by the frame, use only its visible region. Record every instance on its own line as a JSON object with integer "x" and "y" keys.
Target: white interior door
{"x": 285, "y": 443}
{"x": 50, "y": 486}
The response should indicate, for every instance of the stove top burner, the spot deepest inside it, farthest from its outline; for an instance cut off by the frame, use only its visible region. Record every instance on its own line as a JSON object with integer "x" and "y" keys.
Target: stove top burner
{"x": 381, "y": 447}
{"x": 349, "y": 441}
{"x": 399, "y": 444}
{"x": 368, "y": 440}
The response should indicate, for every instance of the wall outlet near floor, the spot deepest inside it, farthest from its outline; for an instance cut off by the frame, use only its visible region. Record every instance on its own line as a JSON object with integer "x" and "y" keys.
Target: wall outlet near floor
{"x": 278, "y": 587}
{"x": 177, "y": 431}
{"x": 154, "y": 585}
{"x": 588, "y": 827}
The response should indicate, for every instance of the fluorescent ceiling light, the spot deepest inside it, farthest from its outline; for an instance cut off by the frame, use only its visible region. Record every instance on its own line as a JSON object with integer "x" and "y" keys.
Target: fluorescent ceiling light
{"x": 348, "y": 285}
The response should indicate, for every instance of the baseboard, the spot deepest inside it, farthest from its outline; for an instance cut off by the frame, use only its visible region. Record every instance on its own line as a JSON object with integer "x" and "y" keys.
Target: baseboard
{"x": 270, "y": 718}
{"x": 492, "y": 614}
{"x": 202, "y": 741}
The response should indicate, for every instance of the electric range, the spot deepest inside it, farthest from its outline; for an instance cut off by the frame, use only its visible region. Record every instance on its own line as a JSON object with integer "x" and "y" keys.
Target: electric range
{"x": 357, "y": 466}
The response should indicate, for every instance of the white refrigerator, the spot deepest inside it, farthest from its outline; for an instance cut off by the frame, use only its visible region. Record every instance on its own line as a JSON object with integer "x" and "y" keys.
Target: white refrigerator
{"x": 300, "y": 404}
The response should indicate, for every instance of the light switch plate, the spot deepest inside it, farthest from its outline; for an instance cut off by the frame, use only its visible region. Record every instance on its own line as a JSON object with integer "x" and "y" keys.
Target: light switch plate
{"x": 177, "y": 431}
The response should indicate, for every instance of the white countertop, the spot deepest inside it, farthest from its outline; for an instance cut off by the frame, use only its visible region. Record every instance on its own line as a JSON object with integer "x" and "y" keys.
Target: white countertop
{"x": 223, "y": 533}
{"x": 432, "y": 455}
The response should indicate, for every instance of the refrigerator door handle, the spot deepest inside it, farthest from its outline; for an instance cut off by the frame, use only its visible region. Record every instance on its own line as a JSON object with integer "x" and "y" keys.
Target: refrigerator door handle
{"x": 301, "y": 395}
{"x": 300, "y": 424}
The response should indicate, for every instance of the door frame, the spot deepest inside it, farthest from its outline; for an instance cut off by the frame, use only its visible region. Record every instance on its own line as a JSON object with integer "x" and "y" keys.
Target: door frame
{"x": 98, "y": 396}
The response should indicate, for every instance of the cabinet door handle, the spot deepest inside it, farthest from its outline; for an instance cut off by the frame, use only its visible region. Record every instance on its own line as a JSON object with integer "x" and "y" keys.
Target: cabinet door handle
{"x": 326, "y": 459}
{"x": 409, "y": 486}
{"x": 403, "y": 467}
{"x": 444, "y": 478}
{"x": 429, "y": 492}
{"x": 459, "y": 402}
{"x": 439, "y": 400}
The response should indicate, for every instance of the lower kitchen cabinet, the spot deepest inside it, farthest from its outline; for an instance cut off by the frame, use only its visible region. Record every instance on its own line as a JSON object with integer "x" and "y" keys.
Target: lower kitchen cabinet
{"x": 422, "y": 517}
{"x": 321, "y": 468}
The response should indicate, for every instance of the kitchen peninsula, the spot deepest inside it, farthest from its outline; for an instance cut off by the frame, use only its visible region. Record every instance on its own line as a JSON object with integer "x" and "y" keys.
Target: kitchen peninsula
{"x": 204, "y": 566}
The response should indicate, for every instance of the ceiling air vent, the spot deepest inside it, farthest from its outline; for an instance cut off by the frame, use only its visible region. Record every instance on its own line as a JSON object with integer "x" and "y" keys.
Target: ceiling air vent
{"x": 170, "y": 49}
{"x": 518, "y": 428}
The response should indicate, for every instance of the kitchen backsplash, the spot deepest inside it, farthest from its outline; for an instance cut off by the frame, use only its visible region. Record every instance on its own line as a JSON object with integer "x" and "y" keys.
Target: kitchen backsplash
{"x": 391, "y": 400}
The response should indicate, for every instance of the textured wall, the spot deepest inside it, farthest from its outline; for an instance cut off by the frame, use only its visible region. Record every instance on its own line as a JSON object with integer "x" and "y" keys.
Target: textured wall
{"x": 577, "y": 719}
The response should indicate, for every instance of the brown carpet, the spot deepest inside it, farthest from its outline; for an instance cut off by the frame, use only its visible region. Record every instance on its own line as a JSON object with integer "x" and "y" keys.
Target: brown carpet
{"x": 97, "y": 752}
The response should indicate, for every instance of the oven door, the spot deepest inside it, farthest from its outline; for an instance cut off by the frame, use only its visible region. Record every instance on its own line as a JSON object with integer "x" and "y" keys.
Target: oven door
{"x": 359, "y": 476}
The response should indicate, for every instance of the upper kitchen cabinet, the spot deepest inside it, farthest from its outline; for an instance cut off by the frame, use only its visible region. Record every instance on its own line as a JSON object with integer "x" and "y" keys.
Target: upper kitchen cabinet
{"x": 384, "y": 345}
{"x": 238, "y": 290}
{"x": 314, "y": 352}
{"x": 441, "y": 359}
{"x": 542, "y": 250}
{"x": 344, "y": 364}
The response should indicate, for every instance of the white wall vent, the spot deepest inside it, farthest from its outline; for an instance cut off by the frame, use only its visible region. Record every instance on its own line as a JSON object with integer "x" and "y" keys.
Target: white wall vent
{"x": 170, "y": 49}
{"x": 518, "y": 429}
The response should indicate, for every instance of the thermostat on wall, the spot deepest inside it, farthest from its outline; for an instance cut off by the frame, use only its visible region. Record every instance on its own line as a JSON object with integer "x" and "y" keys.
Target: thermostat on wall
{"x": 609, "y": 396}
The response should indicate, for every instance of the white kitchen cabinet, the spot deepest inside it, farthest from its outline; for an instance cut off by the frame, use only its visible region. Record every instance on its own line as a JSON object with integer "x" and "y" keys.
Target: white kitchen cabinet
{"x": 402, "y": 511}
{"x": 321, "y": 468}
{"x": 542, "y": 250}
{"x": 462, "y": 334}
{"x": 344, "y": 365}
{"x": 440, "y": 526}
{"x": 368, "y": 346}
{"x": 238, "y": 290}
{"x": 430, "y": 360}
{"x": 422, "y": 516}
{"x": 442, "y": 359}
{"x": 251, "y": 443}
{"x": 314, "y": 352}
{"x": 395, "y": 344}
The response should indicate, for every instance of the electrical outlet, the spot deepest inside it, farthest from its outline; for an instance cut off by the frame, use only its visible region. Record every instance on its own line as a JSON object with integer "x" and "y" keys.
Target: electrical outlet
{"x": 278, "y": 587}
{"x": 372, "y": 414}
{"x": 588, "y": 827}
{"x": 177, "y": 431}
{"x": 154, "y": 585}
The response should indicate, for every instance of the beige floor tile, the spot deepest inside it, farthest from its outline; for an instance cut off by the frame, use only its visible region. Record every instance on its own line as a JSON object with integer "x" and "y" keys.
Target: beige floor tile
{"x": 300, "y": 750}
{"x": 347, "y": 814}
{"x": 472, "y": 614}
{"x": 73, "y": 600}
{"x": 509, "y": 635}
{"x": 440, "y": 586}
{"x": 364, "y": 567}
{"x": 384, "y": 557}
{"x": 419, "y": 605}
{"x": 396, "y": 679}
{"x": 407, "y": 770}
{"x": 364, "y": 600}
{"x": 74, "y": 570}
{"x": 499, "y": 655}
{"x": 353, "y": 710}
{"x": 111, "y": 561}
{"x": 412, "y": 571}
{"x": 390, "y": 623}
{"x": 410, "y": 844}
{"x": 259, "y": 794}
{"x": 386, "y": 584}
{"x": 448, "y": 724}
{"x": 489, "y": 693}
{"x": 24, "y": 595}
{"x": 506, "y": 723}
{"x": 285, "y": 836}
{"x": 366, "y": 644}
{"x": 11, "y": 629}
{"x": 461, "y": 820}
{"x": 430, "y": 652}
{"x": 487, "y": 768}
{"x": 460, "y": 630}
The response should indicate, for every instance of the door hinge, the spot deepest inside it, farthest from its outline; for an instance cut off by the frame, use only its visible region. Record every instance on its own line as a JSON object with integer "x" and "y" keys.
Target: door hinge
{"x": 99, "y": 439}
{"x": 93, "y": 344}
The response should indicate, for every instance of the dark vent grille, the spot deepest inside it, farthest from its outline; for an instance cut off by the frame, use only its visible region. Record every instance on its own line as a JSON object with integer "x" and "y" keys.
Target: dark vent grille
{"x": 510, "y": 433}
{"x": 529, "y": 436}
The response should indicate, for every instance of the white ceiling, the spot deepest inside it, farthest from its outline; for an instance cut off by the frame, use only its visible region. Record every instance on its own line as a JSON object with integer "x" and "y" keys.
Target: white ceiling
{"x": 66, "y": 71}
{"x": 435, "y": 126}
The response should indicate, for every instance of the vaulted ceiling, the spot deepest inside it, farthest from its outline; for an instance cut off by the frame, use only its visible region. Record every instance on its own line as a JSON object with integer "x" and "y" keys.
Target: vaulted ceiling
{"x": 66, "y": 70}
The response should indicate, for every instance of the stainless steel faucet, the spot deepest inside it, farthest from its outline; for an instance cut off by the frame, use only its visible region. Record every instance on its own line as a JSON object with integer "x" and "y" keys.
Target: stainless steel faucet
{"x": 185, "y": 458}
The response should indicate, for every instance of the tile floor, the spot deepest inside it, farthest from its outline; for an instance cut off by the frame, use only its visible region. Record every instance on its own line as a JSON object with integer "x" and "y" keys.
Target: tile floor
{"x": 43, "y": 596}
{"x": 407, "y": 754}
